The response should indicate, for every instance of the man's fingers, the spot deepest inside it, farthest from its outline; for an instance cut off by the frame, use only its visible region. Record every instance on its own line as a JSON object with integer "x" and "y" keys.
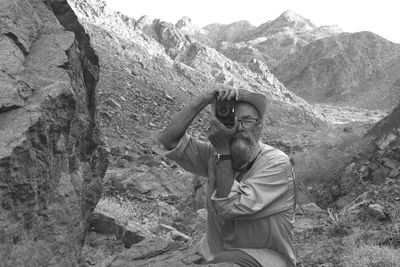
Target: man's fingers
{"x": 221, "y": 94}
{"x": 232, "y": 94}
{"x": 228, "y": 93}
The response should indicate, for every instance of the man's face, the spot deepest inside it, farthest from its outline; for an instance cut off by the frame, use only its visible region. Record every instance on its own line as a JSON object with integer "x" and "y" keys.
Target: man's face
{"x": 248, "y": 134}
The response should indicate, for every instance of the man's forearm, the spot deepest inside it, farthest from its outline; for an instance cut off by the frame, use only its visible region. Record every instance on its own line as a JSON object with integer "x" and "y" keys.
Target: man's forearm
{"x": 174, "y": 131}
{"x": 224, "y": 181}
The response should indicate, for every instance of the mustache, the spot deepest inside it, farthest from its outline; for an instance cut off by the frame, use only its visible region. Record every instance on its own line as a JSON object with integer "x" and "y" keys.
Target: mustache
{"x": 241, "y": 136}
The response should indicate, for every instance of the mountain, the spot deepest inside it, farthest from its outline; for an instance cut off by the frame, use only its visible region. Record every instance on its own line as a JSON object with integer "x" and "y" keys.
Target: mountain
{"x": 270, "y": 42}
{"x": 229, "y": 33}
{"x": 362, "y": 69}
{"x": 323, "y": 64}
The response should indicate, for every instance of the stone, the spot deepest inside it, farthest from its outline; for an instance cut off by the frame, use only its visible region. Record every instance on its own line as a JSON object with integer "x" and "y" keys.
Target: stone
{"x": 103, "y": 224}
{"x": 395, "y": 173}
{"x": 113, "y": 103}
{"x": 172, "y": 39}
{"x": 10, "y": 96}
{"x": 129, "y": 233}
{"x": 175, "y": 234}
{"x": 149, "y": 247}
{"x": 392, "y": 164}
{"x": 168, "y": 97}
{"x": 312, "y": 209}
{"x": 378, "y": 176}
{"x": 377, "y": 211}
{"x": 129, "y": 238}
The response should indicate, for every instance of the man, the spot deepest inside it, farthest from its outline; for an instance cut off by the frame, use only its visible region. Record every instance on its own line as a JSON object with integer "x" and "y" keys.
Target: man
{"x": 250, "y": 198}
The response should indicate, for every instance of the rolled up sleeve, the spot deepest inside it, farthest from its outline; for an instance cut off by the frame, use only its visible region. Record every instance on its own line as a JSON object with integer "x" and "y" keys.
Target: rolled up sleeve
{"x": 192, "y": 155}
{"x": 258, "y": 192}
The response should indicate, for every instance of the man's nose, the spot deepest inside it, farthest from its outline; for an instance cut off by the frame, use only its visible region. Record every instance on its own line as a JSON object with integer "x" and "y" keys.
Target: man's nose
{"x": 240, "y": 127}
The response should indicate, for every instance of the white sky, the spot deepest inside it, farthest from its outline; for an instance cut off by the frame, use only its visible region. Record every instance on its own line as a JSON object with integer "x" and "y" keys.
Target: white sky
{"x": 381, "y": 17}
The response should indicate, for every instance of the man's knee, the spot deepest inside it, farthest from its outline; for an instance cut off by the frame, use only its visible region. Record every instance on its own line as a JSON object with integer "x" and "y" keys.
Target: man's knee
{"x": 236, "y": 256}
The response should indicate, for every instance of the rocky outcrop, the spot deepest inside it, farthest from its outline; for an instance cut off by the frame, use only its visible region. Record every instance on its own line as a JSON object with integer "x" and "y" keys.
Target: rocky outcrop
{"x": 51, "y": 159}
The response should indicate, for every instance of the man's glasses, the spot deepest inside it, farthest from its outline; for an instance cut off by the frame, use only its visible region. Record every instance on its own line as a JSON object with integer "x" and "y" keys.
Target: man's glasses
{"x": 248, "y": 122}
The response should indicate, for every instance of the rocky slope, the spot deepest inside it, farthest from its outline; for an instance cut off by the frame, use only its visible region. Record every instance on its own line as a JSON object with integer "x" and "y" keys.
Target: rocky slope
{"x": 322, "y": 64}
{"x": 359, "y": 68}
{"x": 51, "y": 158}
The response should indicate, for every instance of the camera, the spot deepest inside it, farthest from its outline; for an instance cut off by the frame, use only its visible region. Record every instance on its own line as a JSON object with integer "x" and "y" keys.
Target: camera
{"x": 225, "y": 112}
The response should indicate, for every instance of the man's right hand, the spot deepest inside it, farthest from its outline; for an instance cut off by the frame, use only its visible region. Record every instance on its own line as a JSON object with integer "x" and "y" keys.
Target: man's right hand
{"x": 221, "y": 93}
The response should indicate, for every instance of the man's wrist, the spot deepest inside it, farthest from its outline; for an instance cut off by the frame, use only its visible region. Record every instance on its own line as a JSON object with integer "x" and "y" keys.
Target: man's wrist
{"x": 222, "y": 157}
{"x": 222, "y": 151}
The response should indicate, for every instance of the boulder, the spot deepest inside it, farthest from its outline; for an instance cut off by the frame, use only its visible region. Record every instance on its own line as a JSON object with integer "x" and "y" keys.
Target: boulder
{"x": 51, "y": 157}
{"x": 129, "y": 233}
{"x": 377, "y": 211}
{"x": 150, "y": 247}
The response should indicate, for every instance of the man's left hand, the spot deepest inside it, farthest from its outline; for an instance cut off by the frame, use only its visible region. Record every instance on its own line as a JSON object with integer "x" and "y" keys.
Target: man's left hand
{"x": 220, "y": 136}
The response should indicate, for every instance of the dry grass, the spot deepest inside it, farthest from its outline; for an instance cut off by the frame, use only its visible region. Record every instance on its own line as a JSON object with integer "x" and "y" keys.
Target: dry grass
{"x": 371, "y": 256}
{"x": 146, "y": 213}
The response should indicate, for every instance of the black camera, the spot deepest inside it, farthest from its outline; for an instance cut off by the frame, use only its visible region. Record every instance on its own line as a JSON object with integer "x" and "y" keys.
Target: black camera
{"x": 225, "y": 112}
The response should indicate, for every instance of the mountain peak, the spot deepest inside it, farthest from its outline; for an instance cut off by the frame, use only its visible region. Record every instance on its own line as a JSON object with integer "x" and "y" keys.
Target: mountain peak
{"x": 184, "y": 22}
{"x": 289, "y": 16}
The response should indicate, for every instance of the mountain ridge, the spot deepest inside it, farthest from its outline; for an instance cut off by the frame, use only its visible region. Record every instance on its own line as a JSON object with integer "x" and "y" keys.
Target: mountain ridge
{"x": 285, "y": 45}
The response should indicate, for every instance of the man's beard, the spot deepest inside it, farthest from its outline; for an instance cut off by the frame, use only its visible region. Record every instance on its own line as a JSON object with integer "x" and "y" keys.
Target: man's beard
{"x": 242, "y": 149}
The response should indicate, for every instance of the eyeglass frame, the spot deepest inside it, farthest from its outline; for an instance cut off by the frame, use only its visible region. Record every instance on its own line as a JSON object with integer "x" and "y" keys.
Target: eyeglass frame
{"x": 240, "y": 121}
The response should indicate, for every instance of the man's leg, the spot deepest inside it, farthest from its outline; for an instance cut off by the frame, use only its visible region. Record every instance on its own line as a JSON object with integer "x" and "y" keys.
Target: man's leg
{"x": 236, "y": 256}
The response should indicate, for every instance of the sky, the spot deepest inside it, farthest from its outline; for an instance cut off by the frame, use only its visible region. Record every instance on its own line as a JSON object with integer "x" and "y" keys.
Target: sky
{"x": 381, "y": 17}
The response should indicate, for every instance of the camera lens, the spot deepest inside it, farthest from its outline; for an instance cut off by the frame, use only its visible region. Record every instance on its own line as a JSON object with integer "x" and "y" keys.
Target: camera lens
{"x": 223, "y": 111}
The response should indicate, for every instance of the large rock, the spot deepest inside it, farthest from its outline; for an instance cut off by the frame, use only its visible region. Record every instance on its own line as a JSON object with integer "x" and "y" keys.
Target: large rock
{"x": 51, "y": 159}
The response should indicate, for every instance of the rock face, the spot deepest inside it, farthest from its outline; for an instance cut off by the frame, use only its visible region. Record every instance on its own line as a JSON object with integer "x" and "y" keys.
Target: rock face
{"x": 51, "y": 159}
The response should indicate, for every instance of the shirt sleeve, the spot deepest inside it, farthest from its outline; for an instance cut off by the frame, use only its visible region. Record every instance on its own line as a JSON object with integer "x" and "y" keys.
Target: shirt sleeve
{"x": 192, "y": 155}
{"x": 265, "y": 190}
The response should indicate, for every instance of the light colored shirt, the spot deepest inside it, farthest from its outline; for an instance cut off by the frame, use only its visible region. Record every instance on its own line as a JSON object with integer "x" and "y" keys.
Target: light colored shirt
{"x": 258, "y": 214}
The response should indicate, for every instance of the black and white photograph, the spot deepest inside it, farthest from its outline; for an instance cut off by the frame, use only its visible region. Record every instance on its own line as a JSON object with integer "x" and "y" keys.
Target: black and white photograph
{"x": 199, "y": 133}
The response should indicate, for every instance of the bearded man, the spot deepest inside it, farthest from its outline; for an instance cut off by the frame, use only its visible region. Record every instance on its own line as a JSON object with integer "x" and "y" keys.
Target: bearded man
{"x": 250, "y": 194}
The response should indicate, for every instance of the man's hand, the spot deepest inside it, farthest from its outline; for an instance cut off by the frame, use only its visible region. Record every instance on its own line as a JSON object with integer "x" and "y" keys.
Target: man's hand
{"x": 222, "y": 92}
{"x": 220, "y": 136}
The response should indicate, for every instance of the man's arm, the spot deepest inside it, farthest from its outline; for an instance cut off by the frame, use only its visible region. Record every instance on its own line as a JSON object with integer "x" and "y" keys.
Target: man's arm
{"x": 269, "y": 189}
{"x": 174, "y": 131}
